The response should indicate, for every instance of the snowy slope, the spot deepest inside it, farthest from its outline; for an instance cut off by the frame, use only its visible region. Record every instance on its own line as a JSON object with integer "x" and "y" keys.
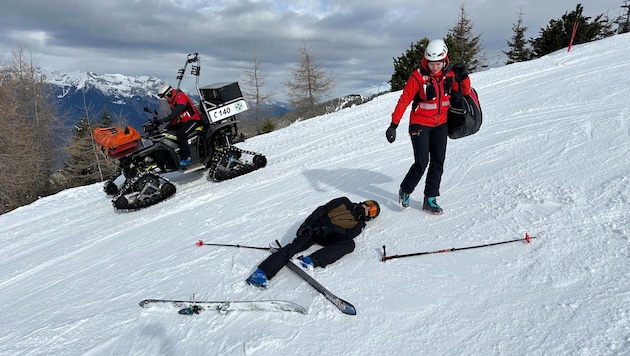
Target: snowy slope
{"x": 552, "y": 159}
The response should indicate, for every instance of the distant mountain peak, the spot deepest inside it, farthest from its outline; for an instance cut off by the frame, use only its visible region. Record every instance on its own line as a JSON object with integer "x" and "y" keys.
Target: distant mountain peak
{"x": 116, "y": 85}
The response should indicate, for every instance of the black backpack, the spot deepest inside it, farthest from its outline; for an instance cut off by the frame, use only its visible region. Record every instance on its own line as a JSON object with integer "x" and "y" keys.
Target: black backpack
{"x": 464, "y": 116}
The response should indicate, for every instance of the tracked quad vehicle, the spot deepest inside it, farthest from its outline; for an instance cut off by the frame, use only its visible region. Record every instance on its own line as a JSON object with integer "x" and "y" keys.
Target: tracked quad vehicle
{"x": 143, "y": 159}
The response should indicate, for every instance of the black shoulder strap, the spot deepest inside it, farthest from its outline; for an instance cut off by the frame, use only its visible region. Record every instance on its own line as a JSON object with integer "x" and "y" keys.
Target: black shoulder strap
{"x": 448, "y": 84}
{"x": 416, "y": 98}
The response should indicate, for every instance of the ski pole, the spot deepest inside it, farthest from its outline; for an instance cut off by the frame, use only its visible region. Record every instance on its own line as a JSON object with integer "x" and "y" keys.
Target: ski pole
{"x": 385, "y": 257}
{"x": 201, "y": 243}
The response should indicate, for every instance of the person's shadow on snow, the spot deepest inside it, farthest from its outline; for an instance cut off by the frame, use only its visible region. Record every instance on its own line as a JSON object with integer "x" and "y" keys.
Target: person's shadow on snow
{"x": 361, "y": 182}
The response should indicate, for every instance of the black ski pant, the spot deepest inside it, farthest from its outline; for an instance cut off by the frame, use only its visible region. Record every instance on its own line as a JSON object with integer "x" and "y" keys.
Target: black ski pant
{"x": 334, "y": 247}
{"x": 183, "y": 130}
{"x": 429, "y": 149}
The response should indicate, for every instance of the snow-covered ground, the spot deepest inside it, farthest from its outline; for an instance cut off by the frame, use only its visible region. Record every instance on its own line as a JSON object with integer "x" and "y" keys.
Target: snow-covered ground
{"x": 552, "y": 159}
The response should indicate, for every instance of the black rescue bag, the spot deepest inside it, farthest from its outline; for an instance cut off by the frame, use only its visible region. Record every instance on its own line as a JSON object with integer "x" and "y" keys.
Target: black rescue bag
{"x": 464, "y": 116}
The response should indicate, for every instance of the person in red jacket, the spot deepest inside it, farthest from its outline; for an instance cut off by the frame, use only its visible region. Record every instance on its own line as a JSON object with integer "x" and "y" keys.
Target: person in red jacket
{"x": 333, "y": 225}
{"x": 429, "y": 88}
{"x": 184, "y": 118}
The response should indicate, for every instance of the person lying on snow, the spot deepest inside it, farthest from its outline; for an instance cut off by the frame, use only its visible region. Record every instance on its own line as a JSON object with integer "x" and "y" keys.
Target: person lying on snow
{"x": 333, "y": 225}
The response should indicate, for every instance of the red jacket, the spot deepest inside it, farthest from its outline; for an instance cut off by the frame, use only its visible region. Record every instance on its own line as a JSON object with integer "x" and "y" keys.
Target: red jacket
{"x": 183, "y": 109}
{"x": 430, "y": 111}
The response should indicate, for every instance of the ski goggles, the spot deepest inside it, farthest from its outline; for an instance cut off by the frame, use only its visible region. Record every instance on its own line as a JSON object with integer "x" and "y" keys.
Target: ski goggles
{"x": 372, "y": 209}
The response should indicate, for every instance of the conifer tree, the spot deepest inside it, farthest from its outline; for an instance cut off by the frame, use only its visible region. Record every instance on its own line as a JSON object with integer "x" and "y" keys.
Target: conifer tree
{"x": 463, "y": 46}
{"x": 309, "y": 82}
{"x": 557, "y": 34}
{"x": 84, "y": 164}
{"x": 80, "y": 168}
{"x": 607, "y": 27}
{"x": 254, "y": 82}
{"x": 407, "y": 63}
{"x": 29, "y": 140}
{"x": 519, "y": 46}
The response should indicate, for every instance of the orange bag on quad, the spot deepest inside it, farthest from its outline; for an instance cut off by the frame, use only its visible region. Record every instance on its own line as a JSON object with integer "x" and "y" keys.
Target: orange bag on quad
{"x": 115, "y": 139}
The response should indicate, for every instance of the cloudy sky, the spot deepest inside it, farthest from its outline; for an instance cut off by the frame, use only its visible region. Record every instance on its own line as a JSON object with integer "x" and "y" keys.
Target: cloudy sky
{"x": 356, "y": 40}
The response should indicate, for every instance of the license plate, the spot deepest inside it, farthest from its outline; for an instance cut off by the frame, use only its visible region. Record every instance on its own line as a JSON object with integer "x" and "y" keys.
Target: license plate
{"x": 225, "y": 111}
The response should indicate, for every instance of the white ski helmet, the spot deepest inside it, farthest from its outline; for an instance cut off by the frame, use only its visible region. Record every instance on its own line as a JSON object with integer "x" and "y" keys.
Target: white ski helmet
{"x": 436, "y": 51}
{"x": 164, "y": 89}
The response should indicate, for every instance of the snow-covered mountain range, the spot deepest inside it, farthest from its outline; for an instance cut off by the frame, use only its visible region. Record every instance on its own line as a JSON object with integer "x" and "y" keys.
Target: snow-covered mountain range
{"x": 123, "y": 96}
{"x": 115, "y": 85}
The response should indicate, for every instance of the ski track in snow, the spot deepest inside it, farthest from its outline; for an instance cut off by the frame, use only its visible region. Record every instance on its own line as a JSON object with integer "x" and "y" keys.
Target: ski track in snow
{"x": 552, "y": 159}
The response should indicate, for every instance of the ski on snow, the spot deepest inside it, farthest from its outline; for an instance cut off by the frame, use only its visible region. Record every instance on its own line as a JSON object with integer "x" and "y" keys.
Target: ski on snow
{"x": 341, "y": 304}
{"x": 344, "y": 306}
{"x": 190, "y": 307}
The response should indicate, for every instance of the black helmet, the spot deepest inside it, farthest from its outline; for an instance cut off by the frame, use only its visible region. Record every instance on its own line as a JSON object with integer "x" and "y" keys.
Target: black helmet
{"x": 373, "y": 209}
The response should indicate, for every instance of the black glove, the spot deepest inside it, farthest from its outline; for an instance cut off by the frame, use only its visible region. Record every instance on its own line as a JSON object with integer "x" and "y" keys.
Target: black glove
{"x": 460, "y": 71}
{"x": 157, "y": 121}
{"x": 390, "y": 134}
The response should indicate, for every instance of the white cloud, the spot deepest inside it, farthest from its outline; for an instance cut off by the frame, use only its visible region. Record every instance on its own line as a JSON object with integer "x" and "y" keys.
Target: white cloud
{"x": 147, "y": 37}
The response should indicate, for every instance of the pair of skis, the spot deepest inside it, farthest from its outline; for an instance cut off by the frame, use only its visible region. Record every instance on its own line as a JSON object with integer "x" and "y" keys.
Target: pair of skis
{"x": 191, "y": 307}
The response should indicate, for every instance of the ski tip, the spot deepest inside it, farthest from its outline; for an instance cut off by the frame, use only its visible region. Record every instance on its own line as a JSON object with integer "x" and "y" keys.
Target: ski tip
{"x": 344, "y": 306}
{"x": 144, "y": 303}
{"x": 350, "y": 310}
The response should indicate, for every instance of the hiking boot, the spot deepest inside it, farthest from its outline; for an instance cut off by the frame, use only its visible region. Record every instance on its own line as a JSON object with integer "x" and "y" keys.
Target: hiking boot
{"x": 430, "y": 204}
{"x": 258, "y": 279}
{"x": 185, "y": 162}
{"x": 403, "y": 198}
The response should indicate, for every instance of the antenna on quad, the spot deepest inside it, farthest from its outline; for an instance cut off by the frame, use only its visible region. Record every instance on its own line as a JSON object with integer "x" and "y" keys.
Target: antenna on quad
{"x": 195, "y": 70}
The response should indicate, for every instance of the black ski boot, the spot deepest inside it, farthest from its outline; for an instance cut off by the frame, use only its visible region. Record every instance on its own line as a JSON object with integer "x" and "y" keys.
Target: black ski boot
{"x": 403, "y": 198}
{"x": 430, "y": 204}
